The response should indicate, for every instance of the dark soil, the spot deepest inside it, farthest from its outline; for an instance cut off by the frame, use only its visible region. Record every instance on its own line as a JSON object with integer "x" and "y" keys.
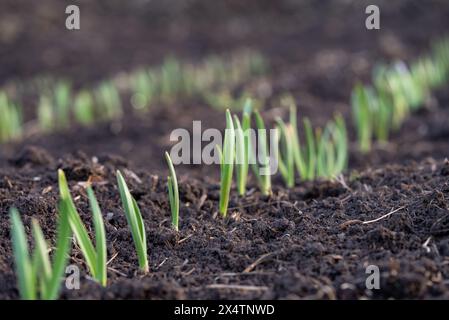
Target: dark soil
{"x": 305, "y": 242}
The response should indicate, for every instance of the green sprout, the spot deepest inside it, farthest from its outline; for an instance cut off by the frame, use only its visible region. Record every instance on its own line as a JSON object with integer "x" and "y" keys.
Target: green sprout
{"x": 340, "y": 134}
{"x": 62, "y": 93}
{"x": 286, "y": 154}
{"x": 171, "y": 76}
{"x": 95, "y": 257}
{"x": 10, "y": 119}
{"x": 108, "y": 99}
{"x": 173, "y": 193}
{"x": 84, "y": 108}
{"x": 246, "y": 127}
{"x": 310, "y": 150}
{"x": 54, "y": 106}
{"x": 324, "y": 155}
{"x": 412, "y": 89}
{"x": 243, "y": 146}
{"x": 304, "y": 156}
{"x": 332, "y": 149}
{"x": 37, "y": 277}
{"x": 45, "y": 113}
{"x": 298, "y": 156}
{"x": 262, "y": 169}
{"x": 135, "y": 222}
{"x": 142, "y": 86}
{"x": 362, "y": 116}
{"x": 441, "y": 56}
{"x": 227, "y": 164}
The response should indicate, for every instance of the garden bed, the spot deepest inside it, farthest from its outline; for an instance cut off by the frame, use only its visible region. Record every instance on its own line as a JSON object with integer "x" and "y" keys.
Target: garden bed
{"x": 312, "y": 241}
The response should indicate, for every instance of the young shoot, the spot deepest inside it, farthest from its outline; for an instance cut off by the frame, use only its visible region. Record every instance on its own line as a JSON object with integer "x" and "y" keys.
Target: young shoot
{"x": 292, "y": 153}
{"x": 135, "y": 222}
{"x": 84, "y": 108}
{"x": 62, "y": 93}
{"x": 10, "y": 119}
{"x": 262, "y": 169}
{"x": 246, "y": 127}
{"x": 142, "y": 86}
{"x": 332, "y": 149}
{"x": 45, "y": 113}
{"x": 37, "y": 276}
{"x": 95, "y": 256}
{"x": 227, "y": 165}
{"x": 362, "y": 117}
{"x": 108, "y": 99}
{"x": 171, "y": 79}
{"x": 173, "y": 193}
{"x": 286, "y": 153}
{"x": 323, "y": 155}
{"x": 309, "y": 151}
{"x": 298, "y": 156}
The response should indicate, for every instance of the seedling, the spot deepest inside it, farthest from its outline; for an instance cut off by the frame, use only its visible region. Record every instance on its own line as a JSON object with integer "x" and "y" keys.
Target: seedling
{"x": 298, "y": 156}
{"x": 341, "y": 139}
{"x": 261, "y": 167}
{"x": 410, "y": 87}
{"x": 95, "y": 257}
{"x": 108, "y": 99}
{"x": 142, "y": 86}
{"x": 362, "y": 117}
{"x": 37, "y": 276}
{"x": 10, "y": 119}
{"x": 246, "y": 127}
{"x": 323, "y": 155}
{"x": 62, "y": 93}
{"x": 171, "y": 76}
{"x": 84, "y": 108}
{"x": 310, "y": 150}
{"x": 227, "y": 164}
{"x": 332, "y": 149}
{"x": 286, "y": 154}
{"x": 304, "y": 156}
{"x": 243, "y": 146}
{"x": 135, "y": 222}
{"x": 173, "y": 193}
{"x": 45, "y": 113}
{"x": 381, "y": 117}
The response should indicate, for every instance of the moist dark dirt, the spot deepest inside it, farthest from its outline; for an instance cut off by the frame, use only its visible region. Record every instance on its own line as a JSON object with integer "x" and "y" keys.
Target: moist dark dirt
{"x": 311, "y": 241}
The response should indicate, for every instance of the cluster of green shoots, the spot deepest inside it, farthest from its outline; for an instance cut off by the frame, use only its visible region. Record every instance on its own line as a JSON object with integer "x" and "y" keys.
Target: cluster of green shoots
{"x": 173, "y": 80}
{"x": 38, "y": 276}
{"x": 173, "y": 192}
{"x": 59, "y": 104}
{"x": 323, "y": 155}
{"x": 397, "y": 91}
{"x": 10, "y": 119}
